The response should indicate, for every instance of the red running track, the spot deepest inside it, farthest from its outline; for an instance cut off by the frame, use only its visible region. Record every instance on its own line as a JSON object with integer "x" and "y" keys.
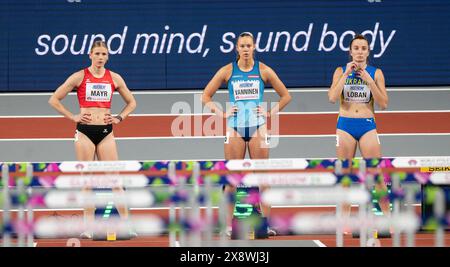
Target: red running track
{"x": 421, "y": 239}
{"x": 160, "y": 126}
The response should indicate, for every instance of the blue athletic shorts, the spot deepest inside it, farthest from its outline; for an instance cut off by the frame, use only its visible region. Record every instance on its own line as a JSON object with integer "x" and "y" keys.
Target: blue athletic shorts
{"x": 246, "y": 132}
{"x": 356, "y": 127}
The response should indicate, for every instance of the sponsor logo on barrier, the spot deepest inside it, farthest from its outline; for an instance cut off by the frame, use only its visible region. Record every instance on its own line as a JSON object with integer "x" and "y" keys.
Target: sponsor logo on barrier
{"x": 75, "y": 199}
{"x": 435, "y": 169}
{"x": 79, "y": 166}
{"x": 93, "y": 166}
{"x": 267, "y": 164}
{"x": 101, "y": 181}
{"x": 319, "y": 196}
{"x": 322, "y": 179}
{"x": 418, "y": 162}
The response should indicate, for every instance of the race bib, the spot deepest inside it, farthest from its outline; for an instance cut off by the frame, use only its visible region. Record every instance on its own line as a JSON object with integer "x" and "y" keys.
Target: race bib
{"x": 356, "y": 93}
{"x": 246, "y": 90}
{"x": 98, "y": 92}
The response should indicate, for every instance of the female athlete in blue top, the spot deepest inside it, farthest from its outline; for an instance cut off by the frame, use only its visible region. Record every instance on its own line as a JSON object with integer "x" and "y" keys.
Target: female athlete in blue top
{"x": 358, "y": 86}
{"x": 246, "y": 119}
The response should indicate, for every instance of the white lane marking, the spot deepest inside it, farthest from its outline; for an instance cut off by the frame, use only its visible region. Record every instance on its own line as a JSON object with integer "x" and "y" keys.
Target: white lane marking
{"x": 224, "y": 91}
{"x": 209, "y": 114}
{"x": 217, "y": 137}
{"x": 320, "y": 244}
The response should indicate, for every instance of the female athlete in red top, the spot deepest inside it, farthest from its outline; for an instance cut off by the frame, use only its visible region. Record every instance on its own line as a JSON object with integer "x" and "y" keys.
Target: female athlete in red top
{"x": 94, "y": 138}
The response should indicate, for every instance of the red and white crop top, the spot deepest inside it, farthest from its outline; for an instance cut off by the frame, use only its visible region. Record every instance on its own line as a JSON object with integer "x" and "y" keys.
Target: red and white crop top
{"x": 96, "y": 92}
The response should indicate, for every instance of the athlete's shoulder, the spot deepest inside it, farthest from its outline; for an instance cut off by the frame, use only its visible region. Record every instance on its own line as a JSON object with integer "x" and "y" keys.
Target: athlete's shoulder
{"x": 226, "y": 70}
{"x": 117, "y": 79}
{"x": 76, "y": 78}
{"x": 227, "y": 67}
{"x": 339, "y": 69}
{"x": 375, "y": 68}
{"x": 79, "y": 72}
{"x": 114, "y": 74}
{"x": 372, "y": 70}
{"x": 78, "y": 75}
{"x": 263, "y": 66}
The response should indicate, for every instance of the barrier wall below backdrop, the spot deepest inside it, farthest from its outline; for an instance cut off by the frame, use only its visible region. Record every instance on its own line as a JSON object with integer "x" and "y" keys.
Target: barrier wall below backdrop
{"x": 180, "y": 44}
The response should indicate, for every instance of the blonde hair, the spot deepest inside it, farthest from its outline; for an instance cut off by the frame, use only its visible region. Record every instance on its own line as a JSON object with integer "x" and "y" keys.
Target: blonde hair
{"x": 98, "y": 43}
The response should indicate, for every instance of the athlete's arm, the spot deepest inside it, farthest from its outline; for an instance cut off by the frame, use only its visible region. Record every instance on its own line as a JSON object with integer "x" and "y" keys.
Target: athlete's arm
{"x": 273, "y": 79}
{"x": 127, "y": 96}
{"x": 55, "y": 100}
{"x": 219, "y": 78}
{"x": 377, "y": 87}
{"x": 339, "y": 78}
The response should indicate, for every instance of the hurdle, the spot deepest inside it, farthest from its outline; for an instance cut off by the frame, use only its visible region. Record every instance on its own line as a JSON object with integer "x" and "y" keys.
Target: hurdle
{"x": 7, "y": 229}
{"x": 189, "y": 208}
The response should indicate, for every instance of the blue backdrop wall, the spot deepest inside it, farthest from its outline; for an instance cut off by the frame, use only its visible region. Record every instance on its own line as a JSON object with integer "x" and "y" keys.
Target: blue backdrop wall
{"x": 180, "y": 44}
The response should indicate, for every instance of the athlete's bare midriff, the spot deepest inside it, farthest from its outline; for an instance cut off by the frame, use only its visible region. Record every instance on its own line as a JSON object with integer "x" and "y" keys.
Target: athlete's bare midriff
{"x": 356, "y": 110}
{"x": 97, "y": 114}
